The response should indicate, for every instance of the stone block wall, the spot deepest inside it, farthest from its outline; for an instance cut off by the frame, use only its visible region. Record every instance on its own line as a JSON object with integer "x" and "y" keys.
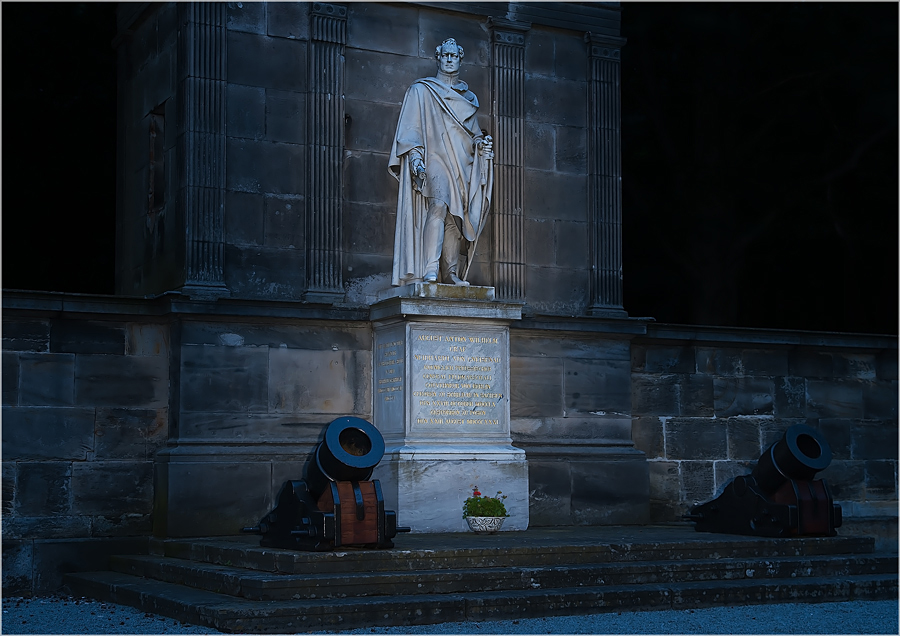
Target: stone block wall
{"x": 266, "y": 149}
{"x": 85, "y": 409}
{"x": 570, "y": 410}
{"x": 707, "y": 402}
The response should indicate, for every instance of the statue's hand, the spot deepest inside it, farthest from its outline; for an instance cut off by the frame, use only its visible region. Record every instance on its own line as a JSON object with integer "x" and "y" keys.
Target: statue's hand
{"x": 418, "y": 167}
{"x": 486, "y": 147}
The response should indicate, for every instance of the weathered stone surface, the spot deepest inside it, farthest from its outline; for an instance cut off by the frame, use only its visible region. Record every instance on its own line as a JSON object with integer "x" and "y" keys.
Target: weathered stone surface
{"x": 743, "y": 438}
{"x": 245, "y": 111}
{"x": 128, "y": 433}
{"x": 837, "y": 433}
{"x": 224, "y": 379}
{"x": 571, "y": 240}
{"x": 765, "y": 362}
{"x": 9, "y": 487}
{"x": 26, "y": 335}
{"x": 571, "y": 150}
{"x": 46, "y": 379}
{"x": 541, "y": 252}
{"x": 10, "y": 378}
{"x": 743, "y": 396}
{"x": 47, "y": 433}
{"x": 112, "y": 487}
{"x": 846, "y": 479}
{"x": 126, "y": 524}
{"x": 126, "y": 381}
{"x": 647, "y": 435}
{"x": 569, "y": 56}
{"x": 389, "y": 29}
{"x": 384, "y": 78}
{"x": 555, "y": 100}
{"x": 18, "y": 566}
{"x": 316, "y": 337}
{"x": 285, "y": 222}
{"x": 43, "y": 488}
{"x": 665, "y": 490}
{"x": 550, "y": 489}
{"x": 83, "y": 336}
{"x": 880, "y": 400}
{"x": 555, "y": 196}
{"x": 370, "y": 128}
{"x": 811, "y": 364}
{"x": 277, "y": 274}
{"x": 592, "y": 386}
{"x": 719, "y": 361}
{"x": 536, "y": 387}
{"x": 53, "y": 527}
{"x": 285, "y": 67}
{"x": 302, "y": 381}
{"x": 654, "y": 394}
{"x": 726, "y": 471}
{"x": 285, "y": 116}
{"x": 246, "y": 16}
{"x": 885, "y": 364}
{"x": 540, "y": 148}
{"x": 359, "y": 186}
{"x": 790, "y": 397}
{"x": 264, "y": 166}
{"x": 244, "y": 215}
{"x": 610, "y": 492}
{"x": 696, "y": 395}
{"x": 538, "y": 345}
{"x": 372, "y": 231}
{"x": 697, "y": 481}
{"x": 200, "y": 497}
{"x": 826, "y": 398}
{"x": 855, "y": 366}
{"x": 881, "y": 479}
{"x": 873, "y": 439}
{"x": 146, "y": 339}
{"x": 288, "y": 20}
{"x": 551, "y": 295}
{"x": 664, "y": 359}
{"x": 695, "y": 438}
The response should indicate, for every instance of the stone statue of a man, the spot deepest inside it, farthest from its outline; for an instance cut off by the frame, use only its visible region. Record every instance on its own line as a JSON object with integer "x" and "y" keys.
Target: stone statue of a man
{"x": 445, "y": 168}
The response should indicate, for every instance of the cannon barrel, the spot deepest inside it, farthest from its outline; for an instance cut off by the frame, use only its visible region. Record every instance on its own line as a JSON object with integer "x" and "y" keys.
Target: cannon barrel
{"x": 351, "y": 449}
{"x": 780, "y": 498}
{"x": 799, "y": 455}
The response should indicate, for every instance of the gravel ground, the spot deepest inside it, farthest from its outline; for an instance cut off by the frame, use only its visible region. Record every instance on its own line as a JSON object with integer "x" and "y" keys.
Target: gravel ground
{"x": 69, "y": 615}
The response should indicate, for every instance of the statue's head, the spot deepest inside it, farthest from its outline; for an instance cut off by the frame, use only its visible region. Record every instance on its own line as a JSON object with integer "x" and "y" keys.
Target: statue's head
{"x": 448, "y": 55}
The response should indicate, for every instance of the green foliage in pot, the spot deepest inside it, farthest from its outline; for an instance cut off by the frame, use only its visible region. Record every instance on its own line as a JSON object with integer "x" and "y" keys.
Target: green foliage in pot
{"x": 478, "y": 506}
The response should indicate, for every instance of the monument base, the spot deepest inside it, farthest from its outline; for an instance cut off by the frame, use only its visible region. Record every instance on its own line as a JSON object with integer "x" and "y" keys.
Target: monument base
{"x": 441, "y": 389}
{"x": 427, "y": 485}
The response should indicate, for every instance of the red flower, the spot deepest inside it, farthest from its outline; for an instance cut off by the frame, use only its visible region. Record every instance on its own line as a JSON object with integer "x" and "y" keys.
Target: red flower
{"x": 476, "y": 493}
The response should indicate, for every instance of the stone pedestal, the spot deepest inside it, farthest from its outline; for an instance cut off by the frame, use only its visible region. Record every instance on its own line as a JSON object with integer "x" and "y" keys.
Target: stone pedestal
{"x": 441, "y": 393}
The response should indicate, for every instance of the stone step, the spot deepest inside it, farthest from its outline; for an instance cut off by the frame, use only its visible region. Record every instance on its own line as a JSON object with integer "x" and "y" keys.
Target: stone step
{"x": 261, "y": 585}
{"x": 231, "y": 614}
{"x": 442, "y": 552}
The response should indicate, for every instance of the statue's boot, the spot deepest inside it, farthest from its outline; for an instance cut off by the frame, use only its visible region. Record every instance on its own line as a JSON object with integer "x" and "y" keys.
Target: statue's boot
{"x": 433, "y": 240}
{"x": 453, "y": 240}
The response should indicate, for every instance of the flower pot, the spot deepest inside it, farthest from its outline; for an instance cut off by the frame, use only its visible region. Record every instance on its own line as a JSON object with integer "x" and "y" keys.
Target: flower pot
{"x": 484, "y": 525}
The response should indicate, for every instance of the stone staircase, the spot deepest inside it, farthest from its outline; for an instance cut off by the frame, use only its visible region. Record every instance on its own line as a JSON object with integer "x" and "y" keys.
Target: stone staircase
{"x": 234, "y": 585}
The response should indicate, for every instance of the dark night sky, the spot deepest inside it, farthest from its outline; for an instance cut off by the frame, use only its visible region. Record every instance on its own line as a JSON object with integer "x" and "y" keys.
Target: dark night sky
{"x": 760, "y": 159}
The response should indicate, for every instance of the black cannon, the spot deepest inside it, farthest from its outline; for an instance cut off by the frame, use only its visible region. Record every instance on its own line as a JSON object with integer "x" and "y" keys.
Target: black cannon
{"x": 779, "y": 498}
{"x": 337, "y": 504}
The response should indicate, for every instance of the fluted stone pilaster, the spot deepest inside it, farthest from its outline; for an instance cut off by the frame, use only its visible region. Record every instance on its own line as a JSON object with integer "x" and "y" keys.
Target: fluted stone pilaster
{"x": 508, "y": 93}
{"x": 605, "y": 174}
{"x": 201, "y": 64}
{"x": 328, "y": 36}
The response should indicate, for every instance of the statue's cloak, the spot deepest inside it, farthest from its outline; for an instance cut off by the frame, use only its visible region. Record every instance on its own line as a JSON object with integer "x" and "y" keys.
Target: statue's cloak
{"x": 440, "y": 121}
